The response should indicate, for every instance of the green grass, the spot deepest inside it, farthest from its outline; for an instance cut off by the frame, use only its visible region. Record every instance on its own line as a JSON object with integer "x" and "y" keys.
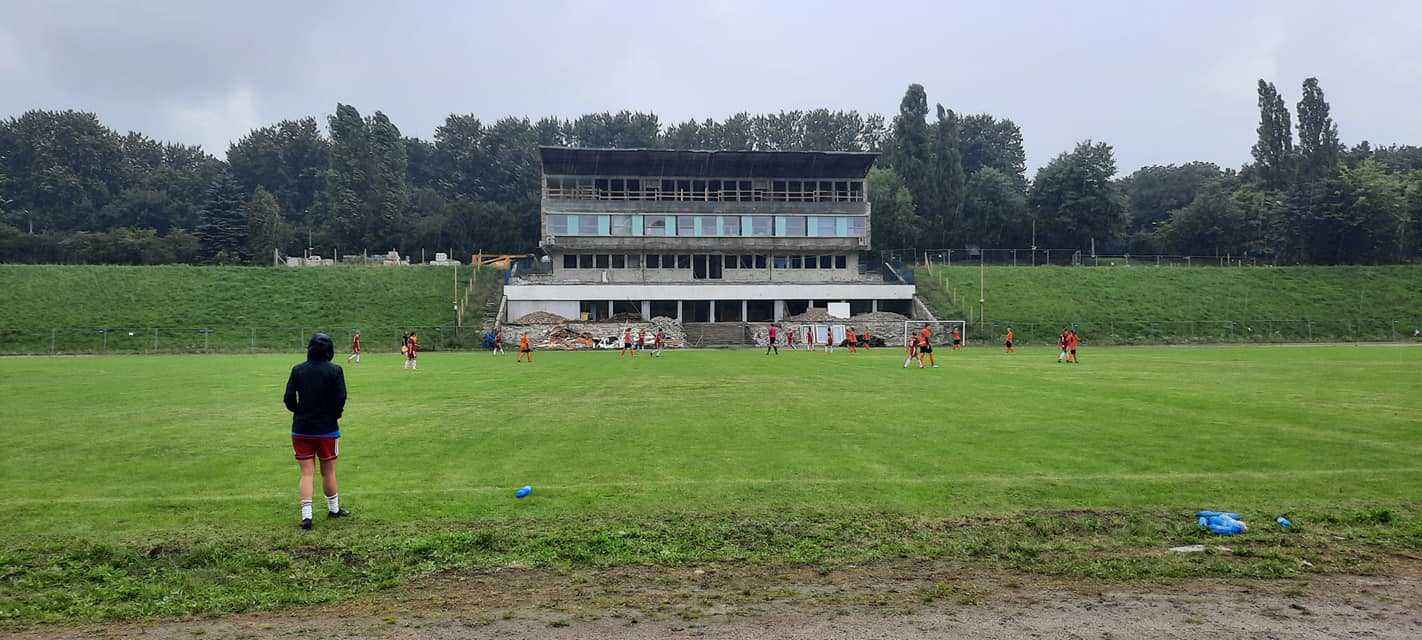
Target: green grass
{"x": 163, "y": 485}
{"x": 246, "y": 308}
{"x": 1165, "y": 304}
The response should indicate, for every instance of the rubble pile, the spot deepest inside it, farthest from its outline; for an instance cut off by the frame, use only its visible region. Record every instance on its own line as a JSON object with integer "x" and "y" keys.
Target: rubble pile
{"x": 879, "y": 316}
{"x": 541, "y": 317}
{"x": 572, "y": 336}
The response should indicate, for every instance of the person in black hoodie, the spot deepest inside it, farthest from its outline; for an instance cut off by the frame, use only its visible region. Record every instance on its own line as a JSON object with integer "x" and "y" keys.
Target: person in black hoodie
{"x": 316, "y": 397}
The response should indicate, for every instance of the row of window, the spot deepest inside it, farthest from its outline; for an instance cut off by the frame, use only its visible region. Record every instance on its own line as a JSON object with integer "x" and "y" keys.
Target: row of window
{"x": 705, "y": 190}
{"x": 704, "y": 226}
{"x": 686, "y": 261}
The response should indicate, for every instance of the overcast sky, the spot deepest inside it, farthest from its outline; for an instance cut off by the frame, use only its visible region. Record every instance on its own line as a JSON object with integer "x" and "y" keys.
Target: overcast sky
{"x": 1161, "y": 81}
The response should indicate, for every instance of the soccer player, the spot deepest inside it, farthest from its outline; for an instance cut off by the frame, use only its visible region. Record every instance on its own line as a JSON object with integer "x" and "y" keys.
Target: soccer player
{"x": 1072, "y": 341}
{"x": 626, "y": 343}
{"x": 829, "y": 338}
{"x": 412, "y": 348}
{"x": 355, "y": 348}
{"x": 524, "y": 349}
{"x": 911, "y": 346}
{"x": 1007, "y": 341}
{"x": 1062, "y": 344}
{"x": 957, "y": 339}
{"x": 641, "y": 339}
{"x": 851, "y": 339}
{"x": 498, "y": 343}
{"x": 865, "y": 337}
{"x": 925, "y": 346}
{"x": 316, "y": 397}
{"x": 770, "y": 345}
{"x": 790, "y": 339}
{"x": 657, "y": 341}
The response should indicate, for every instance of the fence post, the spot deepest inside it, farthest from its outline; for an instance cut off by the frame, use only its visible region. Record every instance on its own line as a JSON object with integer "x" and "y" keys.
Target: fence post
{"x": 205, "y": 333}
{"x": 1394, "y": 331}
{"x": 104, "y": 344}
{"x": 52, "y": 331}
{"x": 1309, "y": 325}
{"x": 251, "y": 339}
{"x": 155, "y": 339}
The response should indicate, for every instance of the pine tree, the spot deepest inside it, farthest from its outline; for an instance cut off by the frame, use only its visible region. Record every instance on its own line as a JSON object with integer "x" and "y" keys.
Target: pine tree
{"x": 222, "y": 225}
{"x": 911, "y": 157}
{"x": 948, "y": 176}
{"x": 265, "y": 228}
{"x": 1318, "y": 135}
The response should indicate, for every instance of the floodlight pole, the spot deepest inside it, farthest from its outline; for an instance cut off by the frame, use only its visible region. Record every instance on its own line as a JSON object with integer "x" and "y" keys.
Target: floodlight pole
{"x": 982, "y": 290}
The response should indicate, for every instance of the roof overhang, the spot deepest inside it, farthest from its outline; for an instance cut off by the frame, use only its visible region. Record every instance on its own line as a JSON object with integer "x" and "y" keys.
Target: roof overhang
{"x": 681, "y": 163}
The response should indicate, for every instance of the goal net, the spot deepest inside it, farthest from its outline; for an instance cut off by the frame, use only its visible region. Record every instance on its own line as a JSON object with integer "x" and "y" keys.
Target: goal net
{"x": 817, "y": 334}
{"x": 940, "y": 331}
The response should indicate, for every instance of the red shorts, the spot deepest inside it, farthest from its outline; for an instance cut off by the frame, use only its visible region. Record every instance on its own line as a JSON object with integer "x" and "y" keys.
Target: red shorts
{"x": 322, "y": 448}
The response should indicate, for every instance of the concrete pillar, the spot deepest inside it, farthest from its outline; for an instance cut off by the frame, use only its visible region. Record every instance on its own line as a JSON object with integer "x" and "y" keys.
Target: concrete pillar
{"x": 712, "y": 317}
{"x": 745, "y": 310}
{"x": 779, "y": 313}
{"x": 646, "y": 309}
{"x": 678, "y": 311}
{"x": 874, "y": 305}
{"x": 609, "y": 308}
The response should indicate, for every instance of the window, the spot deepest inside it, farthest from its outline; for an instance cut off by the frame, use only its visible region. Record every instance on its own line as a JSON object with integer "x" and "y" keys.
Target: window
{"x": 811, "y": 262}
{"x": 654, "y": 261}
{"x": 708, "y": 225}
{"x": 761, "y": 226}
{"x": 747, "y": 262}
{"x": 698, "y": 189}
{"x": 856, "y": 190}
{"x": 795, "y": 226}
{"x": 826, "y": 262}
{"x": 856, "y": 227}
{"x": 619, "y": 261}
{"x": 714, "y": 186}
{"x": 794, "y": 262}
{"x": 621, "y": 225}
{"x": 781, "y": 262}
{"x": 587, "y": 225}
{"x": 603, "y": 261}
{"x": 760, "y": 262}
{"x": 668, "y": 261}
{"x": 585, "y": 261}
{"x": 634, "y": 189}
{"x": 655, "y": 225}
{"x": 570, "y": 261}
{"x": 824, "y": 227}
{"x": 686, "y": 226}
{"x": 634, "y": 261}
{"x": 841, "y": 262}
{"x": 558, "y": 224}
{"x": 683, "y": 261}
{"x": 730, "y": 225}
{"x": 746, "y": 193}
{"x": 731, "y": 261}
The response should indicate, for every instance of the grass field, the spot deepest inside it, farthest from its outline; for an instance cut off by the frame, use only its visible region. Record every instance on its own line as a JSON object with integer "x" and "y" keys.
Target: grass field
{"x": 163, "y": 485}
{"x": 1163, "y": 304}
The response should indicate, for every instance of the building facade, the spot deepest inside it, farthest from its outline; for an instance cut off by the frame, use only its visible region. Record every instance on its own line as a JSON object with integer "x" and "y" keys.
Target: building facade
{"x": 704, "y": 236}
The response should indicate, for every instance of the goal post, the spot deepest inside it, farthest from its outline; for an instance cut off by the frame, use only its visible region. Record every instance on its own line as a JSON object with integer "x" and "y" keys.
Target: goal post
{"x": 941, "y": 331}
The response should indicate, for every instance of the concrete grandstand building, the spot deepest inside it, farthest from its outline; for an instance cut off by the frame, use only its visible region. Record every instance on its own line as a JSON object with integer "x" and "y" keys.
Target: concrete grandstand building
{"x": 704, "y": 236}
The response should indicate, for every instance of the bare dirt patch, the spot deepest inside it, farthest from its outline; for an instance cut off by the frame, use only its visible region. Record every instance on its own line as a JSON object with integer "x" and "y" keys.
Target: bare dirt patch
{"x": 880, "y": 600}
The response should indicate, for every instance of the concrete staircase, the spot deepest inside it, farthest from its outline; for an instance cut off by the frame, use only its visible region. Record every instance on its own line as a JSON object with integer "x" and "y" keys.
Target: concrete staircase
{"x": 716, "y": 334}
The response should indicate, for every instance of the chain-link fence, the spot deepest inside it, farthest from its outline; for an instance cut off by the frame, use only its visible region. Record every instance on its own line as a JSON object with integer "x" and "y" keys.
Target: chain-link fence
{"x": 100, "y": 340}
{"x": 1063, "y": 258}
{"x": 1127, "y": 331}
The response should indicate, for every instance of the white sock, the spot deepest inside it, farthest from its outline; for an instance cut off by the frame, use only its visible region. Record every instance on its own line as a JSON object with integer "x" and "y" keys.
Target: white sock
{"x": 333, "y": 503}
{"x": 305, "y": 509}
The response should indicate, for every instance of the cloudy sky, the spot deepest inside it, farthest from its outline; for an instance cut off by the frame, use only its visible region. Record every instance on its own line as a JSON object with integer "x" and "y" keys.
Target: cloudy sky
{"x": 1161, "y": 81}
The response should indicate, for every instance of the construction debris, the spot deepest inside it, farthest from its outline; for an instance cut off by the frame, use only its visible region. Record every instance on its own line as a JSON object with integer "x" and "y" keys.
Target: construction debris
{"x": 541, "y": 317}
{"x": 879, "y": 316}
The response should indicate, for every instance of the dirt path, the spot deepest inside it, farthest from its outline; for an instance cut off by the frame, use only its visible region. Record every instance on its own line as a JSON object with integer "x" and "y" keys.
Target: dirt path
{"x": 887, "y": 600}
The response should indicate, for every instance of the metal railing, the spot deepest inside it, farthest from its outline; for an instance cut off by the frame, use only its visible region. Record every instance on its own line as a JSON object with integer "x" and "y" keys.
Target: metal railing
{"x": 1065, "y": 258}
{"x": 225, "y": 339}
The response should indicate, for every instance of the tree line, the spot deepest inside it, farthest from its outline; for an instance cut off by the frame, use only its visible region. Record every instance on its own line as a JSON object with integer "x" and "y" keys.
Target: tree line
{"x": 74, "y": 190}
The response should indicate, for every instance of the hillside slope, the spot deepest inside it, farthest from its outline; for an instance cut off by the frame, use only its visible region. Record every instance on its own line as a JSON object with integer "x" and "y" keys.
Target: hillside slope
{"x": 244, "y": 307}
{"x": 1129, "y": 304}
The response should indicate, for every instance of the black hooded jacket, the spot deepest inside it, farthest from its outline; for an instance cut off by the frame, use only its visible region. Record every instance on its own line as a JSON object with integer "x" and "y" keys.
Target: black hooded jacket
{"x": 316, "y": 391}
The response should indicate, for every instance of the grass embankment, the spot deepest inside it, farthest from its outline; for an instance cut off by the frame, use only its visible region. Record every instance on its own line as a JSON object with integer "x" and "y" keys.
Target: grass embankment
{"x": 164, "y": 485}
{"x": 244, "y": 308}
{"x": 1178, "y": 304}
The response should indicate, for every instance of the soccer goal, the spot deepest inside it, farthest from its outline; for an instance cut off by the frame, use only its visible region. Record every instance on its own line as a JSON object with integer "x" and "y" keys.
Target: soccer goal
{"x": 940, "y": 331}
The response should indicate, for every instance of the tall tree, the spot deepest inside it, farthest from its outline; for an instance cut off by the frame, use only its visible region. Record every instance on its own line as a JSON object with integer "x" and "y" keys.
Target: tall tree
{"x": 265, "y": 229}
{"x": 896, "y": 224}
{"x": 912, "y": 155}
{"x": 1212, "y": 223}
{"x": 989, "y": 142}
{"x": 388, "y": 191}
{"x": 367, "y": 187}
{"x": 63, "y": 167}
{"x": 1318, "y": 135}
{"x": 949, "y": 177}
{"x": 1274, "y": 150}
{"x": 289, "y": 159}
{"x": 1074, "y": 199}
{"x": 222, "y": 229}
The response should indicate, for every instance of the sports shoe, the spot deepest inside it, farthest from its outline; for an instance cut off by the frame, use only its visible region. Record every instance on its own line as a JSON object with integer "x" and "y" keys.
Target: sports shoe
{"x": 338, "y": 514}
{"x": 306, "y": 524}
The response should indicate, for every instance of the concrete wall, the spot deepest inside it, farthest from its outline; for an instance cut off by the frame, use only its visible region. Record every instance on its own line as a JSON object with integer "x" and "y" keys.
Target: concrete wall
{"x": 669, "y": 207}
{"x": 566, "y": 308}
{"x": 708, "y": 291}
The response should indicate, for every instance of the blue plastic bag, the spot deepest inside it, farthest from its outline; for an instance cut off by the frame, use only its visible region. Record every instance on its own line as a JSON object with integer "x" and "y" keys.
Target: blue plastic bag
{"x": 1223, "y": 523}
{"x": 524, "y": 491}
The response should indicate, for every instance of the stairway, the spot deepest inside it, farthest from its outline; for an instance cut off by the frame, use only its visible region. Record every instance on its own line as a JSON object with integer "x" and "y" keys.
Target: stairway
{"x": 716, "y": 334}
